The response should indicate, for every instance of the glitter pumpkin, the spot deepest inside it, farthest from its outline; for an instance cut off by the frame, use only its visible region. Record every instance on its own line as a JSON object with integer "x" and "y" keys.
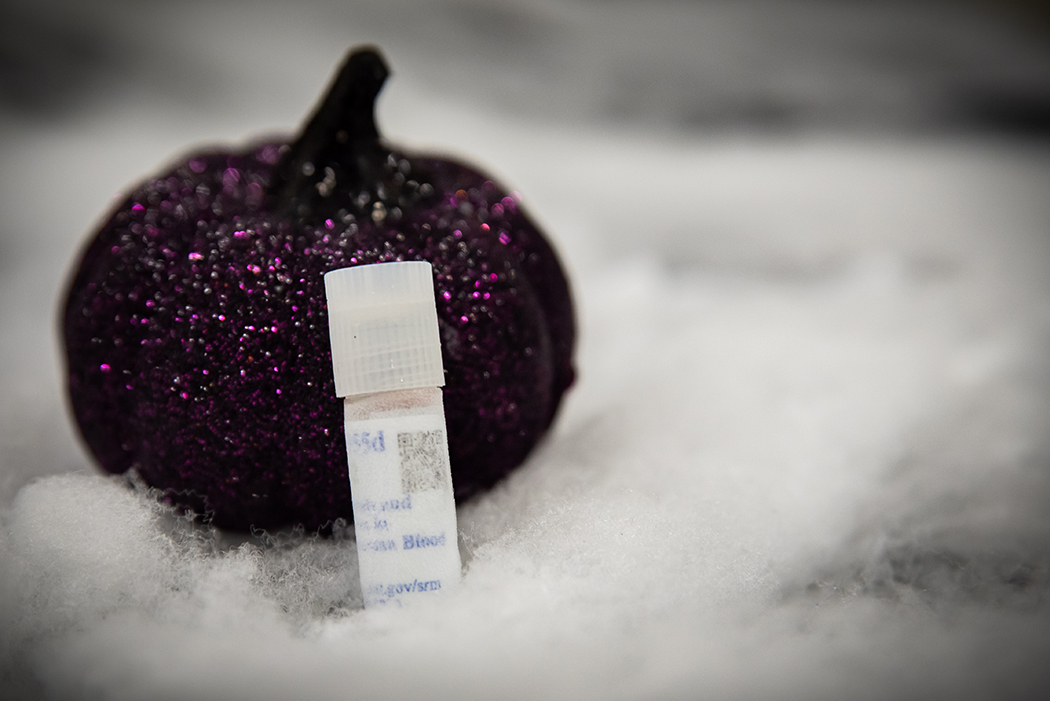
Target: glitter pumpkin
{"x": 196, "y": 329}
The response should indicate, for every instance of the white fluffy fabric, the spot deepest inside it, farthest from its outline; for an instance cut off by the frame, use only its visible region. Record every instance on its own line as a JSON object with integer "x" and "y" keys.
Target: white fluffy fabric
{"x": 808, "y": 454}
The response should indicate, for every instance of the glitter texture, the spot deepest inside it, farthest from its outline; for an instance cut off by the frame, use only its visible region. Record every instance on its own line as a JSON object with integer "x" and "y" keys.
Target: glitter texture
{"x": 196, "y": 329}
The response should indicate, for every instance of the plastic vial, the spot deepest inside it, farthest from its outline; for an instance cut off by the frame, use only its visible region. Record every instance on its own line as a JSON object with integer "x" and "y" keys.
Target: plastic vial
{"x": 386, "y": 357}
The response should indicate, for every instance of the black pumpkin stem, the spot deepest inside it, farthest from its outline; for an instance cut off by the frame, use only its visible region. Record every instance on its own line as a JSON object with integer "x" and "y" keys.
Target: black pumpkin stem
{"x": 339, "y": 152}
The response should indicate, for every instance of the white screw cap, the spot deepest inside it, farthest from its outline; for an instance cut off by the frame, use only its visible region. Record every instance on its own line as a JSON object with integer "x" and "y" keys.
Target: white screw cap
{"x": 382, "y": 321}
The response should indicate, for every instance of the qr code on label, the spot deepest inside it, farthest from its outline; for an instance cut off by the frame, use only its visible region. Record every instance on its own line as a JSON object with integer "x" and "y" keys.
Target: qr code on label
{"x": 422, "y": 463}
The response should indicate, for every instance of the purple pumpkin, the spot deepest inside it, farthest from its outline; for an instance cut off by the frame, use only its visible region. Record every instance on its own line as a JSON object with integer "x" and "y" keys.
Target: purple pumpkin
{"x": 196, "y": 330}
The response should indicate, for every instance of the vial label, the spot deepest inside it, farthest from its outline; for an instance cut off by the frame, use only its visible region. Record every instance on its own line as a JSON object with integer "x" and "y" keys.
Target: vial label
{"x": 404, "y": 509}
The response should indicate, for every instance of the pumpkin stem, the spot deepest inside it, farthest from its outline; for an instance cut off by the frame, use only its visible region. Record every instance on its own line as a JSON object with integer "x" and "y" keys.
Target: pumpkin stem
{"x": 338, "y": 154}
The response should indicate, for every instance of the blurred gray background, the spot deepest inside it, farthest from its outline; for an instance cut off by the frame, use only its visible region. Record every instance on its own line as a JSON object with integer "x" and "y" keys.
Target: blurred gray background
{"x": 662, "y": 65}
{"x": 94, "y": 95}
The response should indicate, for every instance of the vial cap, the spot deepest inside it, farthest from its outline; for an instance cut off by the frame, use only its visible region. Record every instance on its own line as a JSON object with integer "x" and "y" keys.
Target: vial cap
{"x": 382, "y": 321}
